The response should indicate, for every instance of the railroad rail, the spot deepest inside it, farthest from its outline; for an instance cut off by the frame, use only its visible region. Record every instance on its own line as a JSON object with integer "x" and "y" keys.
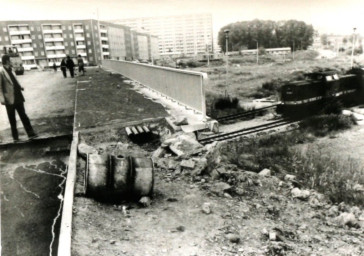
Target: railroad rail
{"x": 246, "y": 131}
{"x": 248, "y": 113}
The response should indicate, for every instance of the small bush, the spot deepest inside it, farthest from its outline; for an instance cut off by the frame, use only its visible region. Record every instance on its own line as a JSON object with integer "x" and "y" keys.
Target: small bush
{"x": 224, "y": 103}
{"x": 194, "y": 64}
{"x": 321, "y": 125}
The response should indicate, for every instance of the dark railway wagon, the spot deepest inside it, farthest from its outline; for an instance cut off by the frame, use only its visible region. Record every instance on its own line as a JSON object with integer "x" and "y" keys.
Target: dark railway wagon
{"x": 319, "y": 89}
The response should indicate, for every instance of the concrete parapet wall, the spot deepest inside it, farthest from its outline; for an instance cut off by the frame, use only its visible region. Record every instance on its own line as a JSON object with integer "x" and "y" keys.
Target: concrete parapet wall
{"x": 186, "y": 87}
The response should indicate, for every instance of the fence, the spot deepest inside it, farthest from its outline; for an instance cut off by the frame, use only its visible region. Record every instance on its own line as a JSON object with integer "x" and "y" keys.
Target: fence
{"x": 186, "y": 87}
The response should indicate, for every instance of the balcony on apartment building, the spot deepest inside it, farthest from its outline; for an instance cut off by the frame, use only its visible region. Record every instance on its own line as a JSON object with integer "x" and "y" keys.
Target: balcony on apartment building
{"x": 25, "y": 49}
{"x": 28, "y": 57}
{"x": 79, "y": 38}
{"x": 54, "y": 47}
{"x": 83, "y": 54}
{"x": 80, "y": 46}
{"x": 103, "y": 38}
{"x": 52, "y": 31}
{"x": 78, "y": 30}
{"x": 21, "y": 41}
{"x": 53, "y": 39}
{"x": 105, "y": 53}
{"x": 103, "y": 30}
{"x": 105, "y": 46}
{"x": 57, "y": 55}
{"x": 19, "y": 32}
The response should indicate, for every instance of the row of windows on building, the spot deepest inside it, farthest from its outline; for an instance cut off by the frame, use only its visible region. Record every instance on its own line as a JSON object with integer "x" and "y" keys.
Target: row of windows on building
{"x": 48, "y": 27}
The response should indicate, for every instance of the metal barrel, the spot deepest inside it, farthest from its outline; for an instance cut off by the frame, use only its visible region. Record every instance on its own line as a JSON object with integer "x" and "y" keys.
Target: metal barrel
{"x": 143, "y": 176}
{"x": 97, "y": 174}
{"x": 120, "y": 175}
{"x": 111, "y": 178}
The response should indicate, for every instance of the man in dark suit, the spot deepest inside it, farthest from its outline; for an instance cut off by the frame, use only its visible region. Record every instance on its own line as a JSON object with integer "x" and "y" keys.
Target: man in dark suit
{"x": 70, "y": 65}
{"x": 13, "y": 99}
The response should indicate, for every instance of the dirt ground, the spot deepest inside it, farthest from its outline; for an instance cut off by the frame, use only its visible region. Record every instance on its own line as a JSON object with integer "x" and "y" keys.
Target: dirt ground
{"x": 194, "y": 214}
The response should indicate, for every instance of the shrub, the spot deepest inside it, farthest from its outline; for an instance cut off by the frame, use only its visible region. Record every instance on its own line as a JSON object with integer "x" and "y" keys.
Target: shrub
{"x": 226, "y": 102}
{"x": 321, "y": 125}
{"x": 194, "y": 64}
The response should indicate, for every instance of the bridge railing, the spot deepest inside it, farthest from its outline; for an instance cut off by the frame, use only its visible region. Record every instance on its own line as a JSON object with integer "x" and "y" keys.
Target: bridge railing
{"x": 185, "y": 87}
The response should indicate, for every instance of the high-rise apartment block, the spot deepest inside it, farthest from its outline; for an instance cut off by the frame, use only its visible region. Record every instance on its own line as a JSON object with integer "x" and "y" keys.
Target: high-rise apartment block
{"x": 44, "y": 42}
{"x": 185, "y": 35}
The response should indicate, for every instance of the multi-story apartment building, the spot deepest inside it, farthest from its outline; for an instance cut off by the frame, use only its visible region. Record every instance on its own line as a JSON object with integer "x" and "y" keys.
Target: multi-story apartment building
{"x": 45, "y": 42}
{"x": 178, "y": 35}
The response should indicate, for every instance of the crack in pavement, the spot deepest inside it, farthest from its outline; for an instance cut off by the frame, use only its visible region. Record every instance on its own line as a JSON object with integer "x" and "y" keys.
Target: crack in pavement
{"x": 60, "y": 197}
{"x": 25, "y": 189}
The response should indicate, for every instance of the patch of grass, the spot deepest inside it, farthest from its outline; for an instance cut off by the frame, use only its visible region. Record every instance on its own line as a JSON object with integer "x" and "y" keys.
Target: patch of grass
{"x": 322, "y": 125}
{"x": 314, "y": 169}
{"x": 326, "y": 174}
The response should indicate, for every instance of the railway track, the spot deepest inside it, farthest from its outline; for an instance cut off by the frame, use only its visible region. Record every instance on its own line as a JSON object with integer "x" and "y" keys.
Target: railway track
{"x": 246, "y": 131}
{"x": 253, "y": 112}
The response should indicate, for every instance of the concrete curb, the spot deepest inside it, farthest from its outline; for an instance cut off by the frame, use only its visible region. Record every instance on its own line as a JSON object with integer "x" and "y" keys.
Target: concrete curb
{"x": 64, "y": 243}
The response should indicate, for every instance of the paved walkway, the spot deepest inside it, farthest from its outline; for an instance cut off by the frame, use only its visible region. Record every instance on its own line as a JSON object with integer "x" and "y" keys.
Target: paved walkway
{"x": 49, "y": 103}
{"x": 105, "y": 100}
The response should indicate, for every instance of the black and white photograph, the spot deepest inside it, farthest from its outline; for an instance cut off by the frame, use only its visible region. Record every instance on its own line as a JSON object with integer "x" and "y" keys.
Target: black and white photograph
{"x": 181, "y": 128}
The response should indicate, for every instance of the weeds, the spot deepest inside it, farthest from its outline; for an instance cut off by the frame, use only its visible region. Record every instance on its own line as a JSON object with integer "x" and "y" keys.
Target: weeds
{"x": 314, "y": 169}
{"x": 328, "y": 175}
{"x": 321, "y": 125}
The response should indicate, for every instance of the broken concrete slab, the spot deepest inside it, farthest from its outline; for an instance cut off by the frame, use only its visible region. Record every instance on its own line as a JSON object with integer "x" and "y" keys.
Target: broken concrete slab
{"x": 188, "y": 164}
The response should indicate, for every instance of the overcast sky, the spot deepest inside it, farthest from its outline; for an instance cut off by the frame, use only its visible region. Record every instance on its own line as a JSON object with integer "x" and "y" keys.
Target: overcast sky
{"x": 327, "y": 16}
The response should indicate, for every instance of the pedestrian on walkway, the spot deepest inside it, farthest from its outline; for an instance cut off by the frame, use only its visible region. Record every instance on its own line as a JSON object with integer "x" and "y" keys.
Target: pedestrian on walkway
{"x": 64, "y": 67}
{"x": 70, "y": 65}
{"x": 13, "y": 99}
{"x": 81, "y": 65}
{"x": 54, "y": 67}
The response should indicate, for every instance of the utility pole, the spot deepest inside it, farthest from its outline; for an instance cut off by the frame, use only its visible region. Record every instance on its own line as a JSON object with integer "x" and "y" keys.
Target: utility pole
{"x": 208, "y": 54}
{"x": 352, "y": 50}
{"x": 226, "y": 31}
{"x": 99, "y": 32}
{"x": 257, "y": 51}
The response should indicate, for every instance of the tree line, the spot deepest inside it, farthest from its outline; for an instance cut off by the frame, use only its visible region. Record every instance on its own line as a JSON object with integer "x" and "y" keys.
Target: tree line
{"x": 268, "y": 34}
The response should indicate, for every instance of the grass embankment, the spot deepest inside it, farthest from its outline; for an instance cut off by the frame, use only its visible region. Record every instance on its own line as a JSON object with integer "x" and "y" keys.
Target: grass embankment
{"x": 284, "y": 154}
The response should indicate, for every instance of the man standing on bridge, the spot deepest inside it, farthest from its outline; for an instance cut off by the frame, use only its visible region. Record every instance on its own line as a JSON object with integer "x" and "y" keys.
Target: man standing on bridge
{"x": 70, "y": 65}
{"x": 13, "y": 99}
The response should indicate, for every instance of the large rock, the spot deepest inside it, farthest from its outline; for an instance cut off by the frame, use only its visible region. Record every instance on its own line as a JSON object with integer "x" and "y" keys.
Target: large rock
{"x": 220, "y": 188}
{"x": 300, "y": 194}
{"x": 347, "y": 219}
{"x": 265, "y": 172}
{"x": 233, "y": 238}
{"x": 188, "y": 164}
{"x": 183, "y": 144}
{"x": 159, "y": 152}
{"x": 201, "y": 165}
{"x": 290, "y": 178}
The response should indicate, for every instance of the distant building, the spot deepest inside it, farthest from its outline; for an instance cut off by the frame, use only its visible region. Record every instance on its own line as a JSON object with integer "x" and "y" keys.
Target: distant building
{"x": 44, "y": 42}
{"x": 187, "y": 35}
